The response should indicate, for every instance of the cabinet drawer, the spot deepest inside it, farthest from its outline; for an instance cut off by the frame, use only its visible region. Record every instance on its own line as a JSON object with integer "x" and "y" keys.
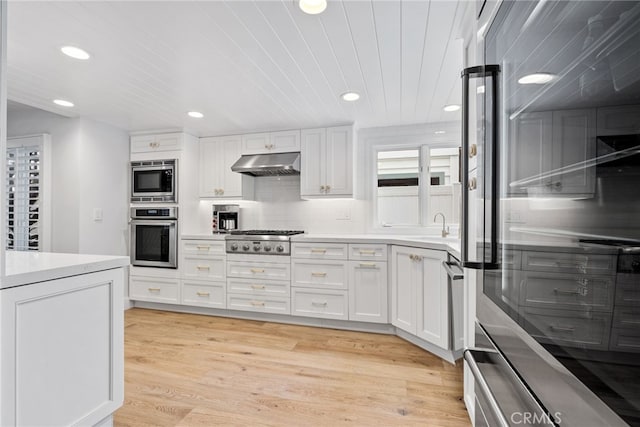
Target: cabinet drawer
{"x": 320, "y": 274}
{"x": 258, "y": 270}
{"x": 258, "y": 287}
{"x": 568, "y": 328}
{"x": 625, "y": 339}
{"x": 264, "y": 303}
{"x": 367, "y": 252}
{"x": 319, "y": 250}
{"x": 569, "y": 291}
{"x": 628, "y": 289}
{"x": 210, "y": 268}
{"x": 320, "y": 303}
{"x": 626, "y": 317}
{"x": 204, "y": 294}
{"x": 562, "y": 262}
{"x": 153, "y": 289}
{"x": 203, "y": 248}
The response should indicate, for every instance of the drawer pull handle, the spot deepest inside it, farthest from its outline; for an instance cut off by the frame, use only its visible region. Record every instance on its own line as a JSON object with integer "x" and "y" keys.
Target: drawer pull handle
{"x": 257, "y": 303}
{"x": 319, "y": 303}
{"x": 578, "y": 292}
{"x": 203, "y": 294}
{"x": 318, "y": 251}
{"x": 257, "y": 270}
{"x": 367, "y": 265}
{"x": 203, "y": 267}
{"x": 367, "y": 252}
{"x": 318, "y": 274}
{"x": 203, "y": 247}
{"x": 630, "y": 322}
{"x": 257, "y": 286}
{"x": 562, "y": 328}
{"x": 154, "y": 289}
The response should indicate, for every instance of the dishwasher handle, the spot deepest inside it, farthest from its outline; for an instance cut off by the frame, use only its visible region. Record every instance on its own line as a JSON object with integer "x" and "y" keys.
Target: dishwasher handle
{"x": 453, "y": 275}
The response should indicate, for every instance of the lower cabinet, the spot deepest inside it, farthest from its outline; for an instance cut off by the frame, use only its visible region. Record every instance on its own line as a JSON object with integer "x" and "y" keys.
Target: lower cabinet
{"x": 259, "y": 286}
{"x": 324, "y": 303}
{"x": 320, "y": 288}
{"x": 154, "y": 289}
{"x": 368, "y": 291}
{"x": 419, "y": 302}
{"x": 203, "y": 293}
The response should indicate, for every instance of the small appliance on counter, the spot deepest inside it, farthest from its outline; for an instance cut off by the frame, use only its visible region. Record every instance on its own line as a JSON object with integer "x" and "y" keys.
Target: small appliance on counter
{"x": 225, "y": 218}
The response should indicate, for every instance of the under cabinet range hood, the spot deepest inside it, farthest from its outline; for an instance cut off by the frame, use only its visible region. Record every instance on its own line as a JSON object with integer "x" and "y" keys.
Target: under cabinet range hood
{"x": 268, "y": 164}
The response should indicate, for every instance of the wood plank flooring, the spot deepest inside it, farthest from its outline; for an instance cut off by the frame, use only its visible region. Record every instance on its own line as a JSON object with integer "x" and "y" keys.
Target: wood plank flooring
{"x": 193, "y": 370}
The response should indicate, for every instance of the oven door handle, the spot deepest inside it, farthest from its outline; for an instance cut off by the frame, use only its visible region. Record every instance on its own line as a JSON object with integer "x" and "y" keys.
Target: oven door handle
{"x": 485, "y": 389}
{"x": 162, "y": 223}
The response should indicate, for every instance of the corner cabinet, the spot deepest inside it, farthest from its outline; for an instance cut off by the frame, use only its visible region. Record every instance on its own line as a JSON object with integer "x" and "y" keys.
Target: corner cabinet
{"x": 327, "y": 168}
{"x": 217, "y": 155}
{"x": 419, "y": 295}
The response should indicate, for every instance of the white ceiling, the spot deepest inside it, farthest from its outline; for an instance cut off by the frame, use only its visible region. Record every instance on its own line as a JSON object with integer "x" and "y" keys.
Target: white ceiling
{"x": 247, "y": 65}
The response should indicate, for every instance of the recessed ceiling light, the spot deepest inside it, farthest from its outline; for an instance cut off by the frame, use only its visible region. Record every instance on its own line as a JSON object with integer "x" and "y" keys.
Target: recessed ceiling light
{"x": 63, "y": 103}
{"x": 350, "y": 96}
{"x": 75, "y": 52}
{"x": 536, "y": 79}
{"x": 313, "y": 7}
{"x": 195, "y": 114}
{"x": 451, "y": 107}
{"x": 439, "y": 132}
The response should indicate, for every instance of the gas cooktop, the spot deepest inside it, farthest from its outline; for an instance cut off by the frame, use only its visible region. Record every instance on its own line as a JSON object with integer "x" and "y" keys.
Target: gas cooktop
{"x": 260, "y": 242}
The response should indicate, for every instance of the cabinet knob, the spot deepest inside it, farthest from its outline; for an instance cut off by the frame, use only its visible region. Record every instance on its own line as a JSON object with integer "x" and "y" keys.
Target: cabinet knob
{"x": 328, "y": 188}
{"x": 322, "y": 188}
{"x": 473, "y": 183}
{"x": 473, "y": 150}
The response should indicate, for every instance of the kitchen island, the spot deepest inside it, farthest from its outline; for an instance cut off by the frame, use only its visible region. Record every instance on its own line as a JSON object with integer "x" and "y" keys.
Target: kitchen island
{"x": 62, "y": 338}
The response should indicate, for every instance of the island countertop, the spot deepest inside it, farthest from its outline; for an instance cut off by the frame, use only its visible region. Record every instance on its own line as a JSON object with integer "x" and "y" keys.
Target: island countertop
{"x": 22, "y": 268}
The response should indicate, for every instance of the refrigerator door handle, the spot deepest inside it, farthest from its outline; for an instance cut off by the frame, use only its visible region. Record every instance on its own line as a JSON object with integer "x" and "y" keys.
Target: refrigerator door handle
{"x": 480, "y": 72}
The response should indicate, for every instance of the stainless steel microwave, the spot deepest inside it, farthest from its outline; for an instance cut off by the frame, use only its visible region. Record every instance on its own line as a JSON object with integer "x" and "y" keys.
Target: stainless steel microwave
{"x": 154, "y": 181}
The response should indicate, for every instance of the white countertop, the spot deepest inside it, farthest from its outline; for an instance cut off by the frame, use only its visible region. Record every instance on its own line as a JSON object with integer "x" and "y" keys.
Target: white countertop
{"x": 22, "y": 268}
{"x": 217, "y": 236}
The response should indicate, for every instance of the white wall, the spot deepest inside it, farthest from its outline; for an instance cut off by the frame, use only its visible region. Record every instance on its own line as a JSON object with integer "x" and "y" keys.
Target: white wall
{"x": 89, "y": 169}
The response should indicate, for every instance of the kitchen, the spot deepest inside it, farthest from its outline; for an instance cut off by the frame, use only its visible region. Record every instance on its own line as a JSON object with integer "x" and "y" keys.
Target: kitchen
{"x": 376, "y": 188}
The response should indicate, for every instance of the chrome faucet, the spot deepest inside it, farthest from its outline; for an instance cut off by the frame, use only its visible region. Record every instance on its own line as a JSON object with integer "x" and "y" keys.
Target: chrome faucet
{"x": 445, "y": 229}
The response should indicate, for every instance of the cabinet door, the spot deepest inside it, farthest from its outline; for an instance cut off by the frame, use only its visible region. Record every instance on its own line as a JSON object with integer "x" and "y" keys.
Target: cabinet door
{"x": 574, "y": 142}
{"x": 230, "y": 182}
{"x": 142, "y": 144}
{"x": 403, "y": 289}
{"x": 312, "y": 154}
{"x": 529, "y": 150}
{"x": 338, "y": 162}
{"x": 433, "y": 312}
{"x": 622, "y": 120}
{"x": 255, "y": 143}
{"x": 285, "y": 141}
{"x": 368, "y": 291}
{"x": 209, "y": 167}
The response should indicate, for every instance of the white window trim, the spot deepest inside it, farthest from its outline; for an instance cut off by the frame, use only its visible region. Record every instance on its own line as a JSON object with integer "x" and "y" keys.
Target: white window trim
{"x": 389, "y": 142}
{"x": 43, "y": 142}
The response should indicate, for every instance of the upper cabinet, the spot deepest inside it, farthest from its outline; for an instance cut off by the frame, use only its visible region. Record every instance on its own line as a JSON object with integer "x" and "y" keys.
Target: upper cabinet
{"x": 217, "y": 154}
{"x": 271, "y": 142}
{"x": 547, "y": 153}
{"x": 619, "y": 120}
{"x": 160, "y": 142}
{"x": 326, "y": 157}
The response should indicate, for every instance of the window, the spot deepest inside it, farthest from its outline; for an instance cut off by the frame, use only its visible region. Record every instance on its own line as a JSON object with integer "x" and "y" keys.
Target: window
{"x": 415, "y": 183}
{"x": 25, "y": 199}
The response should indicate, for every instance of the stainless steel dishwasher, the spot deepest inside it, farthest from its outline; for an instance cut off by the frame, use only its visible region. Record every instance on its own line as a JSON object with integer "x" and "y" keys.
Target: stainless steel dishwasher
{"x": 455, "y": 296}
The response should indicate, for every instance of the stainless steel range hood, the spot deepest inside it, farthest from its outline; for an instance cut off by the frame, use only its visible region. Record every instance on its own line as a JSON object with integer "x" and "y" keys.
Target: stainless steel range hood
{"x": 268, "y": 164}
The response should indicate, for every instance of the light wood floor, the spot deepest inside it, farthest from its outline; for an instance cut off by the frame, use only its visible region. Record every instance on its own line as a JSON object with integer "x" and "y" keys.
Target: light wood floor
{"x": 191, "y": 370}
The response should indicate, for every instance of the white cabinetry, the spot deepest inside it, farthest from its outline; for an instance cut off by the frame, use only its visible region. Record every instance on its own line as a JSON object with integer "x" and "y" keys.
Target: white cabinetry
{"x": 419, "y": 295}
{"x": 160, "y": 142}
{"x": 62, "y": 350}
{"x": 543, "y": 143}
{"x": 203, "y": 273}
{"x": 217, "y": 155}
{"x": 368, "y": 288}
{"x": 259, "y": 283}
{"x": 271, "y": 142}
{"x": 327, "y": 168}
{"x": 620, "y": 120}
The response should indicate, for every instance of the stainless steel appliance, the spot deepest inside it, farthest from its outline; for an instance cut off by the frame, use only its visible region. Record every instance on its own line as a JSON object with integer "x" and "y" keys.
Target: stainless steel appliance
{"x": 260, "y": 242}
{"x": 268, "y": 164}
{"x": 154, "y": 237}
{"x": 225, "y": 218}
{"x": 550, "y": 213}
{"x": 154, "y": 181}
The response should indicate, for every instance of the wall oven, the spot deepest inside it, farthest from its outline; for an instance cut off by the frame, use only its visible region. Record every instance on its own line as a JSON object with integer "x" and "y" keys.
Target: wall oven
{"x": 154, "y": 181}
{"x": 154, "y": 237}
{"x": 556, "y": 236}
